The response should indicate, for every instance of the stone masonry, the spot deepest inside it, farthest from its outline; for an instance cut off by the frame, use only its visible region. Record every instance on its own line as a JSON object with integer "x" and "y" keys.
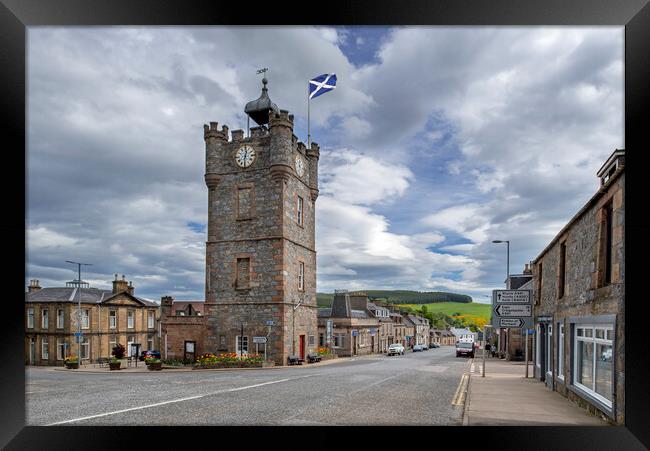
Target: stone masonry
{"x": 255, "y": 243}
{"x": 586, "y": 293}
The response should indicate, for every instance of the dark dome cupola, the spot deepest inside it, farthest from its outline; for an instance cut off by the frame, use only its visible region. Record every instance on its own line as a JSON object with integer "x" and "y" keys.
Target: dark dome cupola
{"x": 259, "y": 109}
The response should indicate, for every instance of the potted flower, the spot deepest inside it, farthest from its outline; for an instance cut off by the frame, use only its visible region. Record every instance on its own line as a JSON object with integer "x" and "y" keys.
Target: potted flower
{"x": 118, "y": 361}
{"x": 153, "y": 363}
{"x": 72, "y": 362}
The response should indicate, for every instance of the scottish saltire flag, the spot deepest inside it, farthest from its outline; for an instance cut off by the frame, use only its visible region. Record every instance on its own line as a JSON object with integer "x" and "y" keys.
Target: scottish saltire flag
{"x": 321, "y": 84}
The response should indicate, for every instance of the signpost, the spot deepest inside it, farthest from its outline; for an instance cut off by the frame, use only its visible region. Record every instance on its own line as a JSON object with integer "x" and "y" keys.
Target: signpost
{"x": 512, "y": 309}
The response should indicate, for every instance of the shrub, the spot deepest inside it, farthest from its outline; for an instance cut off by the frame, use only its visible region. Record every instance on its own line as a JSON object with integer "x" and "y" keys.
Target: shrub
{"x": 118, "y": 351}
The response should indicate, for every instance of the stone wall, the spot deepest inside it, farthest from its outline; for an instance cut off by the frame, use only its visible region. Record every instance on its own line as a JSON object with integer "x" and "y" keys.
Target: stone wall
{"x": 267, "y": 234}
{"x": 585, "y": 294}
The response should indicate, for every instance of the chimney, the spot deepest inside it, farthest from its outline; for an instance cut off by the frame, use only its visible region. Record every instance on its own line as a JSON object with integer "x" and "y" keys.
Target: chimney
{"x": 528, "y": 269}
{"x": 120, "y": 285}
{"x": 166, "y": 306}
{"x": 130, "y": 287}
{"x": 33, "y": 286}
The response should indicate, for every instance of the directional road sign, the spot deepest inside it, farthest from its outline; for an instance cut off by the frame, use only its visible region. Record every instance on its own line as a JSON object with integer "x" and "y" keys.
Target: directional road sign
{"x": 511, "y": 322}
{"x": 259, "y": 340}
{"x": 511, "y": 296}
{"x": 512, "y": 309}
{"x": 269, "y": 322}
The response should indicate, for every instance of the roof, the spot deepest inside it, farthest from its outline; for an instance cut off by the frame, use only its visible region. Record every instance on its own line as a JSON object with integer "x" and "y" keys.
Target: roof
{"x": 70, "y": 294}
{"x": 359, "y": 314}
{"x": 182, "y": 305}
{"x": 324, "y": 312}
{"x": 259, "y": 109}
{"x": 602, "y": 190}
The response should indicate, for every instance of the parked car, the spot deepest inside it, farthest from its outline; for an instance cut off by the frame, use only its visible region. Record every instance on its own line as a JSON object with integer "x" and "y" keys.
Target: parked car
{"x": 433, "y": 345}
{"x": 418, "y": 348}
{"x": 396, "y": 349}
{"x": 143, "y": 354}
{"x": 464, "y": 348}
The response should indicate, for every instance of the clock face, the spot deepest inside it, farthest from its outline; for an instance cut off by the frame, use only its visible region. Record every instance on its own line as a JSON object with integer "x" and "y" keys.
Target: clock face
{"x": 300, "y": 167}
{"x": 245, "y": 156}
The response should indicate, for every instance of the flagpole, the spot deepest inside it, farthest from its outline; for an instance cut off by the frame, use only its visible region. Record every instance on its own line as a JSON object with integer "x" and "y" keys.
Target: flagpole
{"x": 308, "y": 118}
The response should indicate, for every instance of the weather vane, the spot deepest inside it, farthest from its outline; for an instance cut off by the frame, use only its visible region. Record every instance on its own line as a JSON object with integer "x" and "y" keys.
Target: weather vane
{"x": 263, "y": 70}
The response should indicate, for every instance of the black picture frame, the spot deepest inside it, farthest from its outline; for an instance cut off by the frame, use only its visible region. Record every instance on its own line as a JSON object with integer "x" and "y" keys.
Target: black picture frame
{"x": 16, "y": 15}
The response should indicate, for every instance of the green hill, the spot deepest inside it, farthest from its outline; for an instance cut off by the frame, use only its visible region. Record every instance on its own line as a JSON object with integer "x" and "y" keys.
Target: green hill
{"x": 403, "y": 297}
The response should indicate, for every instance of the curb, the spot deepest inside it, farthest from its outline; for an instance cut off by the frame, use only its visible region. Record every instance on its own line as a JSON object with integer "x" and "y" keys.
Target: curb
{"x": 465, "y": 421}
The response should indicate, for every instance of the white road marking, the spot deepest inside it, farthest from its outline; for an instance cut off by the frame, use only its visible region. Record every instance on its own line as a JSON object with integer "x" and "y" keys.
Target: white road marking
{"x": 178, "y": 400}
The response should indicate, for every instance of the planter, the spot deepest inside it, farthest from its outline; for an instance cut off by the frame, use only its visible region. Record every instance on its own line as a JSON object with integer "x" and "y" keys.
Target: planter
{"x": 115, "y": 365}
{"x": 154, "y": 366}
{"x": 72, "y": 365}
{"x": 124, "y": 363}
{"x": 230, "y": 365}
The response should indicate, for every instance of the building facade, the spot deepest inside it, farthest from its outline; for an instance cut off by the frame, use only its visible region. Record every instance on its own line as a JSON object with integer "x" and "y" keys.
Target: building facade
{"x": 183, "y": 329}
{"x": 579, "y": 286}
{"x": 260, "y": 253}
{"x": 355, "y": 329}
{"x": 108, "y": 317}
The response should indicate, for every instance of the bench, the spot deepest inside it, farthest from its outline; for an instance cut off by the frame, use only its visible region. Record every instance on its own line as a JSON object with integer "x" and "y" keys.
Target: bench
{"x": 102, "y": 362}
{"x": 313, "y": 357}
{"x": 295, "y": 360}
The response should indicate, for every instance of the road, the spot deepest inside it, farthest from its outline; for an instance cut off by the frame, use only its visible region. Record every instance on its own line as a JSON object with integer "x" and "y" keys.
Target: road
{"x": 414, "y": 389}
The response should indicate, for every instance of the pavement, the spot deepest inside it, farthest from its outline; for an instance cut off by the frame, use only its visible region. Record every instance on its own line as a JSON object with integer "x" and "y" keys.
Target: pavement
{"x": 142, "y": 368}
{"x": 505, "y": 397}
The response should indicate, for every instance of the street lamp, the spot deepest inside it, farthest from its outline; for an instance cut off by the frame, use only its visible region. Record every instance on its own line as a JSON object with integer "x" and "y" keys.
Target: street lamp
{"x": 508, "y": 260}
{"x": 79, "y": 303}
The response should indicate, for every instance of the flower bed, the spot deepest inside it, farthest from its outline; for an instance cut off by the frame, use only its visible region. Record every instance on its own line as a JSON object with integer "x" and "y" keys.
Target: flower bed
{"x": 228, "y": 360}
{"x": 324, "y": 353}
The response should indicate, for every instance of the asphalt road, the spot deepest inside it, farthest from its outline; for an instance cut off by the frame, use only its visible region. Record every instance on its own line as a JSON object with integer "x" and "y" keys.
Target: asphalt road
{"x": 414, "y": 389}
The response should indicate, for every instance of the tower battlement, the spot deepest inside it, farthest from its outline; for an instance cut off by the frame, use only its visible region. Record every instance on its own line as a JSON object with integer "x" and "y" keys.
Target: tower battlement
{"x": 281, "y": 118}
{"x": 212, "y": 131}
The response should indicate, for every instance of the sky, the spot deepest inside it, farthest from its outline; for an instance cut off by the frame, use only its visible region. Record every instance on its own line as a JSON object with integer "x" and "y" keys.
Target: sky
{"x": 436, "y": 141}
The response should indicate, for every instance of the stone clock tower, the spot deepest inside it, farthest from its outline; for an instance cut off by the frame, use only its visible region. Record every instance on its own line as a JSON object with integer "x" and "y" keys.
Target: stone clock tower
{"x": 260, "y": 253}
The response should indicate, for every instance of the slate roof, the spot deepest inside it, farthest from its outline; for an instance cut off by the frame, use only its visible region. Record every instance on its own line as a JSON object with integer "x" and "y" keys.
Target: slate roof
{"x": 324, "y": 312}
{"x": 359, "y": 314}
{"x": 69, "y": 294}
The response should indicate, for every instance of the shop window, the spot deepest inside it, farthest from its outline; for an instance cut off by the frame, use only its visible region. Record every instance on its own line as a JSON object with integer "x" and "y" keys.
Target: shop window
{"x": 593, "y": 361}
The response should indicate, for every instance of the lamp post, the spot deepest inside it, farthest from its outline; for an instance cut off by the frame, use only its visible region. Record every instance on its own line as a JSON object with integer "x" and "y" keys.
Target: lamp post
{"x": 507, "y": 261}
{"x": 79, "y": 303}
{"x": 507, "y": 279}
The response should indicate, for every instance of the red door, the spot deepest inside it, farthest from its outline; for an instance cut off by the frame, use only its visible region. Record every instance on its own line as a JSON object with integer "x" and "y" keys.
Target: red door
{"x": 302, "y": 346}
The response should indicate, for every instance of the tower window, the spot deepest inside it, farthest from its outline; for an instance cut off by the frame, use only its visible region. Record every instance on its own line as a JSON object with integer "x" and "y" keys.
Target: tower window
{"x": 301, "y": 275}
{"x": 243, "y": 273}
{"x": 244, "y": 202}
{"x": 299, "y": 211}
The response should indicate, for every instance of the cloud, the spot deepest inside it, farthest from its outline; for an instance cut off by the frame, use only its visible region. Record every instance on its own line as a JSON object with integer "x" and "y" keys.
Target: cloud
{"x": 476, "y": 132}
